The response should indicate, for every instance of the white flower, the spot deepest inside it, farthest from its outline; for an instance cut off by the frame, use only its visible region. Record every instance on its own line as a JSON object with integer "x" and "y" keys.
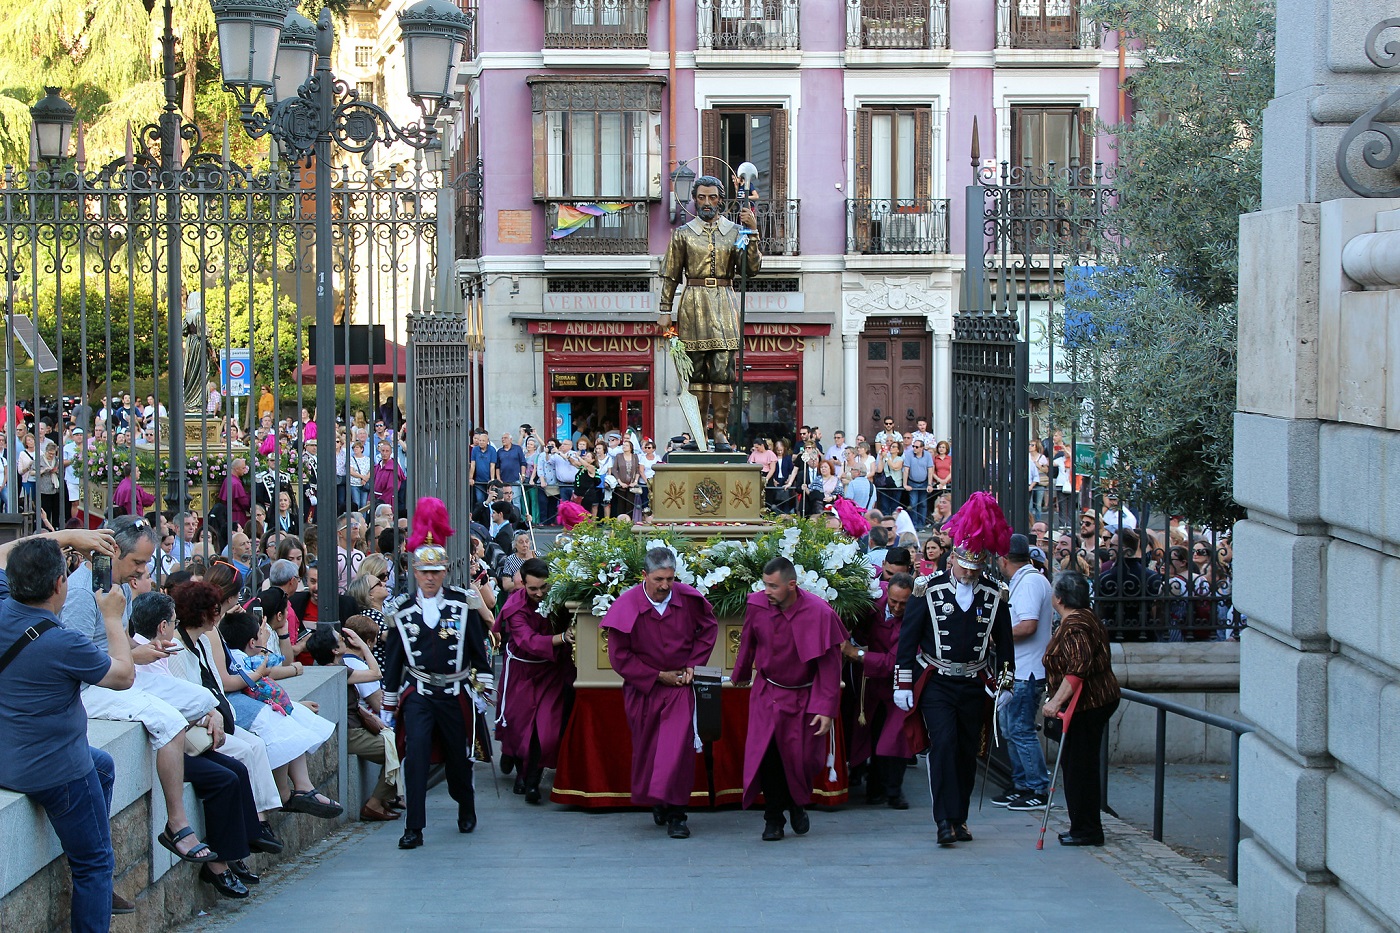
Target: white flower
{"x": 874, "y": 590}
{"x": 602, "y": 602}
{"x": 757, "y": 587}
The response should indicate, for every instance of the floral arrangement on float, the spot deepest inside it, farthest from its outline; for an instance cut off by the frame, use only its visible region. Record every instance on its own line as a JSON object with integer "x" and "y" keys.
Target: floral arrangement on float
{"x": 597, "y": 561}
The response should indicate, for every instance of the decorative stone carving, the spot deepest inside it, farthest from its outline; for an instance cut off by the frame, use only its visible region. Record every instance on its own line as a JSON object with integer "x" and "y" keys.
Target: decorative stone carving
{"x": 896, "y": 295}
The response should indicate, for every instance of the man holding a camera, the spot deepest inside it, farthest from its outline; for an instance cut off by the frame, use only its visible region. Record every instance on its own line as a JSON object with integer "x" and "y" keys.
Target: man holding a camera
{"x": 43, "y": 669}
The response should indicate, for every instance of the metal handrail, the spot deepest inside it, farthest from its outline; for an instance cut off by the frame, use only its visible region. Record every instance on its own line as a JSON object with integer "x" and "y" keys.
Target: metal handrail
{"x": 1163, "y": 707}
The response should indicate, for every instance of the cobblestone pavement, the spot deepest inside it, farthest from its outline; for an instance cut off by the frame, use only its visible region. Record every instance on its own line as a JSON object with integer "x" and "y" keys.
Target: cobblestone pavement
{"x": 1196, "y": 894}
{"x": 547, "y": 867}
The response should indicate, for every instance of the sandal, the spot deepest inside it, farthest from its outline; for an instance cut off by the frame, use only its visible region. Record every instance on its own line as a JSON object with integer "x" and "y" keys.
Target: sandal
{"x": 304, "y": 801}
{"x": 169, "y": 840}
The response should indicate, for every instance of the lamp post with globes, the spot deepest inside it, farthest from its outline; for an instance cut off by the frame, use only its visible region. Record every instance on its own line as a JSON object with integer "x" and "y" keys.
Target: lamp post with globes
{"x": 271, "y": 54}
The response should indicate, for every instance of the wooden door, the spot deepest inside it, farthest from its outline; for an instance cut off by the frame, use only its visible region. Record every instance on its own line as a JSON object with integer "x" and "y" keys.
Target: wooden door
{"x": 895, "y": 374}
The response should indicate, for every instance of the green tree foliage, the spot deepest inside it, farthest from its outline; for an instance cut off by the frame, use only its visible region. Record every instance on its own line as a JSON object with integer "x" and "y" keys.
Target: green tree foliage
{"x": 105, "y": 55}
{"x": 114, "y": 301}
{"x": 274, "y": 327}
{"x": 1156, "y": 337}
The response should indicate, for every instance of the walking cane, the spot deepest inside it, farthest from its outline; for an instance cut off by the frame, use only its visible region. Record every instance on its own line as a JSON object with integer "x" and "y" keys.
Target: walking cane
{"x": 1065, "y": 716}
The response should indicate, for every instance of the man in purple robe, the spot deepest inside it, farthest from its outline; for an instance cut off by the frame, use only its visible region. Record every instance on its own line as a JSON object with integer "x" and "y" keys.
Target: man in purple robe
{"x": 792, "y": 643}
{"x": 874, "y": 665}
{"x": 536, "y": 682}
{"x": 658, "y": 633}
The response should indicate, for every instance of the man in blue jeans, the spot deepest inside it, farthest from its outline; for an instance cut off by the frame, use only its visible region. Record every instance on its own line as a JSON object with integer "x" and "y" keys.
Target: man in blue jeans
{"x": 1031, "y": 619}
{"x": 42, "y": 718}
{"x": 918, "y": 481}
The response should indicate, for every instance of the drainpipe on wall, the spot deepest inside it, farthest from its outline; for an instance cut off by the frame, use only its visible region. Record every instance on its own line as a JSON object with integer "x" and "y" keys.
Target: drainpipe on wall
{"x": 671, "y": 81}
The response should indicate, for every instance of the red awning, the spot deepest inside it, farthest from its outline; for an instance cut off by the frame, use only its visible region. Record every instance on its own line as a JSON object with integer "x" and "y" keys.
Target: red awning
{"x": 394, "y": 368}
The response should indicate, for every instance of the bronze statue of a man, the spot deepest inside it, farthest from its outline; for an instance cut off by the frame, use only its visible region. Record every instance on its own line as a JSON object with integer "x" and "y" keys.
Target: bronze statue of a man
{"x": 706, "y": 251}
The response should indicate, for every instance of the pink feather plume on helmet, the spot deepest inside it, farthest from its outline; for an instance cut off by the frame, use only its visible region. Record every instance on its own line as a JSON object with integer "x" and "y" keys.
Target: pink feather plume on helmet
{"x": 979, "y": 530}
{"x": 853, "y": 520}
{"x": 430, "y": 525}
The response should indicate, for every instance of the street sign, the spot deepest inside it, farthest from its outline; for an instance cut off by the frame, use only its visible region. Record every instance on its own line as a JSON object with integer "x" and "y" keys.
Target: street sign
{"x": 236, "y": 372}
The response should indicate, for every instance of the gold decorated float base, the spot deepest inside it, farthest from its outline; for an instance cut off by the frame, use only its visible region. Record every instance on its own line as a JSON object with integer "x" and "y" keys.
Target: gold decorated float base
{"x": 591, "y": 651}
{"x": 697, "y": 492}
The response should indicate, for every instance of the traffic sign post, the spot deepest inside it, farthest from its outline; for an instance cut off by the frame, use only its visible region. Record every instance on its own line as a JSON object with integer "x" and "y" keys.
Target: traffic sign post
{"x": 236, "y": 371}
{"x": 236, "y": 374}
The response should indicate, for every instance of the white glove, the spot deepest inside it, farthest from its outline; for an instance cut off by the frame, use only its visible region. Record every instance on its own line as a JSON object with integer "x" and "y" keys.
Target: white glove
{"x": 387, "y": 717}
{"x": 1003, "y": 698}
{"x": 904, "y": 699}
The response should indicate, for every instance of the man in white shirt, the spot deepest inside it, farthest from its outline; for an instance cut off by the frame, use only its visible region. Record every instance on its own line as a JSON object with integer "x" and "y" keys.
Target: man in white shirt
{"x": 1115, "y": 515}
{"x": 836, "y": 453}
{"x": 1031, "y": 620}
{"x": 72, "y": 455}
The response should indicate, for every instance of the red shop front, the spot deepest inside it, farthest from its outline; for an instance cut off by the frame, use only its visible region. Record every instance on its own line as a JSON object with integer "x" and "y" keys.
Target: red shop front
{"x": 773, "y": 361}
{"x": 598, "y": 376}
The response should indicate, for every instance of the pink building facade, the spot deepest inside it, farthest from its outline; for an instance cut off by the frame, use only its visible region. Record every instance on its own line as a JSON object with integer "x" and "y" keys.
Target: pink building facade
{"x": 859, "y": 116}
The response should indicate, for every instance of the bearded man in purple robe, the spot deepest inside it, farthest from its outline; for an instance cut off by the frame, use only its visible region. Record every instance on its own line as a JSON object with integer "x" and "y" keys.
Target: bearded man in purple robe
{"x": 791, "y": 649}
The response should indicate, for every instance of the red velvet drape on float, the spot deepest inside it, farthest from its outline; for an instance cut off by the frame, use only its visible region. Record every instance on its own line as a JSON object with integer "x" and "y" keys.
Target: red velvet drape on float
{"x": 595, "y": 757}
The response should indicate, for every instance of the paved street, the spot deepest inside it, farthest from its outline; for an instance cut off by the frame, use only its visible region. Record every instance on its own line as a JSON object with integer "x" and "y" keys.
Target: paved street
{"x": 533, "y": 868}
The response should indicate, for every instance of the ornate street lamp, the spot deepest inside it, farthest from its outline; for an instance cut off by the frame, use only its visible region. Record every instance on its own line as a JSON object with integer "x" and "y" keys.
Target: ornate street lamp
{"x": 682, "y": 182}
{"x": 434, "y": 37}
{"x": 248, "y": 34}
{"x": 296, "y": 56}
{"x": 53, "y": 125}
{"x": 265, "y": 51}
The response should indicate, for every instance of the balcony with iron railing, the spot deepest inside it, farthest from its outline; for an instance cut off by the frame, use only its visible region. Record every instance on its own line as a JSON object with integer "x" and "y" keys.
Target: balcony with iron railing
{"x": 469, "y": 7}
{"x": 467, "y": 231}
{"x": 777, "y": 225}
{"x": 908, "y": 25}
{"x": 595, "y": 24}
{"x": 597, "y": 228}
{"x": 896, "y": 226}
{"x": 747, "y": 32}
{"x": 1041, "y": 32}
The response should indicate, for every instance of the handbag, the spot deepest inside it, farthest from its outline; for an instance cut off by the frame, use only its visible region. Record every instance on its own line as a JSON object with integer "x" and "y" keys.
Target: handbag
{"x": 198, "y": 741}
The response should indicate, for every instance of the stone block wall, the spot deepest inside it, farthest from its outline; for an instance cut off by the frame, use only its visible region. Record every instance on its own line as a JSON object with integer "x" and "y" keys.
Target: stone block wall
{"x": 34, "y": 880}
{"x": 1317, "y": 571}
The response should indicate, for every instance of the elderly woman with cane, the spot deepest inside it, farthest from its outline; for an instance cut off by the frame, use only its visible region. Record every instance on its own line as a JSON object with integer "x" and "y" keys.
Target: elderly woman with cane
{"x": 1078, "y": 650}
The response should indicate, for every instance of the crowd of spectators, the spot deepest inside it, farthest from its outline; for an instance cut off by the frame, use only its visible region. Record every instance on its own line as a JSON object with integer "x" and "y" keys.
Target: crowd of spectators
{"x": 124, "y": 630}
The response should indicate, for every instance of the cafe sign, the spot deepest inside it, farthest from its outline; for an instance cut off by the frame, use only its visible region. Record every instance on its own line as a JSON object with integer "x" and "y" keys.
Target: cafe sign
{"x": 625, "y": 381}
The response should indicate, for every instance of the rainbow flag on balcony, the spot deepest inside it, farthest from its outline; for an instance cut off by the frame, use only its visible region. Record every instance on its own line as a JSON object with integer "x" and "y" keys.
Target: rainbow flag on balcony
{"x": 573, "y": 216}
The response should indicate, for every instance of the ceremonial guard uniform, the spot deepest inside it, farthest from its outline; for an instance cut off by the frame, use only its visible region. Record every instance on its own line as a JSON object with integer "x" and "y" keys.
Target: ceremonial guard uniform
{"x": 955, "y": 639}
{"x": 437, "y": 678}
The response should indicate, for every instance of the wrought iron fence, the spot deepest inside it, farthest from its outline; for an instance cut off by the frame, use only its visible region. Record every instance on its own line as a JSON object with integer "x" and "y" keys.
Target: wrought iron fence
{"x": 897, "y": 24}
{"x": 439, "y": 366}
{"x": 597, "y": 228}
{"x": 777, "y": 225}
{"x": 595, "y": 24}
{"x": 747, "y": 25}
{"x": 897, "y": 225}
{"x": 165, "y": 295}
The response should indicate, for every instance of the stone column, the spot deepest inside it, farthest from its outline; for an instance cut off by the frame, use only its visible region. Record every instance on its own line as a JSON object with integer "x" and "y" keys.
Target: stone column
{"x": 850, "y": 385}
{"x": 1317, "y": 466}
{"x": 942, "y": 413}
